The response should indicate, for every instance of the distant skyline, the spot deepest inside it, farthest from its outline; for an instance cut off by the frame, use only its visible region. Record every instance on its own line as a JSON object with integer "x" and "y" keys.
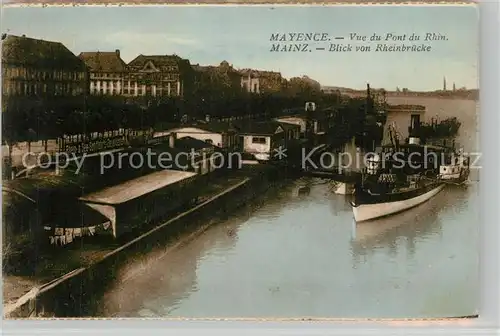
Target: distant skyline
{"x": 240, "y": 35}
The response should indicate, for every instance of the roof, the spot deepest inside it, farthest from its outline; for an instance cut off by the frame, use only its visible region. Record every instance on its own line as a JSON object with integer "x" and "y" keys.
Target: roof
{"x": 259, "y": 72}
{"x": 56, "y": 208}
{"x": 406, "y": 107}
{"x": 224, "y": 66}
{"x": 213, "y": 127}
{"x": 39, "y": 53}
{"x": 160, "y": 62}
{"x": 189, "y": 143}
{"x": 266, "y": 127}
{"x": 103, "y": 61}
{"x": 202, "y": 68}
{"x": 137, "y": 187}
{"x": 406, "y": 145}
{"x": 317, "y": 114}
{"x": 39, "y": 188}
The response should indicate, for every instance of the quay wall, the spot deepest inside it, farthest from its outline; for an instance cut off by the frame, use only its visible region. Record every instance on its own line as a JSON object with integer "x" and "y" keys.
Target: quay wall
{"x": 77, "y": 294}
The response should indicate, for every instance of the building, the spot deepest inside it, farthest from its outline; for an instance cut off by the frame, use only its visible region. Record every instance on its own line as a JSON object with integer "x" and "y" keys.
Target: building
{"x": 46, "y": 209}
{"x": 220, "y": 134}
{"x": 299, "y": 120}
{"x": 270, "y": 81}
{"x": 403, "y": 115}
{"x": 107, "y": 72}
{"x": 261, "y": 138}
{"x": 207, "y": 156}
{"x": 320, "y": 121}
{"x": 143, "y": 200}
{"x": 222, "y": 78}
{"x": 32, "y": 67}
{"x": 258, "y": 81}
{"x": 420, "y": 109}
{"x": 250, "y": 81}
{"x": 159, "y": 76}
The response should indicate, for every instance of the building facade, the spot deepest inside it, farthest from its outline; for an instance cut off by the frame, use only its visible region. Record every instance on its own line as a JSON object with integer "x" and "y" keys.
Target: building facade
{"x": 32, "y": 67}
{"x": 258, "y": 81}
{"x": 218, "y": 134}
{"x": 106, "y": 71}
{"x": 262, "y": 139}
{"x": 159, "y": 76}
{"x": 250, "y": 81}
{"x": 223, "y": 79}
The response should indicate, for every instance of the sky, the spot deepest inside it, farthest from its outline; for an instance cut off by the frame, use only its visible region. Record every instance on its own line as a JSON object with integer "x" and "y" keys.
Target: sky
{"x": 207, "y": 35}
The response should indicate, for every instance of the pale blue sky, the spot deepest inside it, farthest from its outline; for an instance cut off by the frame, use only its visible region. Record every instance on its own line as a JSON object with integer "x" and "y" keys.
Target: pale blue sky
{"x": 240, "y": 35}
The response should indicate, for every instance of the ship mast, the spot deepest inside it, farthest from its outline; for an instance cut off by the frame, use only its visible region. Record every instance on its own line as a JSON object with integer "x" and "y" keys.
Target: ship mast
{"x": 393, "y": 136}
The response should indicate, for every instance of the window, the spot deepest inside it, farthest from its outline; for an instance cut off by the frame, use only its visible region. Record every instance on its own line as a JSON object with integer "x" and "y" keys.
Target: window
{"x": 209, "y": 141}
{"x": 259, "y": 140}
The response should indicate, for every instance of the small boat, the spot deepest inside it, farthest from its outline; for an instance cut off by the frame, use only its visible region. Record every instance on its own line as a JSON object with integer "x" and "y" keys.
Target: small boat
{"x": 456, "y": 169}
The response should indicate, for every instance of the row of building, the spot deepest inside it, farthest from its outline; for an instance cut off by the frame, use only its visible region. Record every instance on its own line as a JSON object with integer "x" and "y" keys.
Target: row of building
{"x": 38, "y": 67}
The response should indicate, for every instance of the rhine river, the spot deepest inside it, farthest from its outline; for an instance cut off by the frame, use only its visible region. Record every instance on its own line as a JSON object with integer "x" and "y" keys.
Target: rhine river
{"x": 303, "y": 256}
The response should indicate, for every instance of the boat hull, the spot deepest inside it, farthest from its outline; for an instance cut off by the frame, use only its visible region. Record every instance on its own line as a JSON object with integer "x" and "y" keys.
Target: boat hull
{"x": 364, "y": 212}
{"x": 343, "y": 188}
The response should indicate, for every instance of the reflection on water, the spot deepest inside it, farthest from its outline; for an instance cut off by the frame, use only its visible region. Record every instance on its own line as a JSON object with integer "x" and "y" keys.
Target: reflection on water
{"x": 300, "y": 254}
{"x": 413, "y": 224}
{"x": 296, "y": 255}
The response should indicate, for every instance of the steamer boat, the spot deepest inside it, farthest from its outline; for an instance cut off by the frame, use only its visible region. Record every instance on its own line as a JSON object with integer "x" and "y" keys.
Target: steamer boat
{"x": 400, "y": 177}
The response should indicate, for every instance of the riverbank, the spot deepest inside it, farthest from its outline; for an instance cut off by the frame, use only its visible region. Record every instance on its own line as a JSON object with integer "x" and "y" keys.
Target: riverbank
{"x": 61, "y": 285}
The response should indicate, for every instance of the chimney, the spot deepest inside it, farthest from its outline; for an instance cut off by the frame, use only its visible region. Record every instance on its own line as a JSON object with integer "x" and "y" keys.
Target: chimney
{"x": 415, "y": 122}
{"x": 171, "y": 139}
{"x": 414, "y": 129}
{"x": 117, "y": 51}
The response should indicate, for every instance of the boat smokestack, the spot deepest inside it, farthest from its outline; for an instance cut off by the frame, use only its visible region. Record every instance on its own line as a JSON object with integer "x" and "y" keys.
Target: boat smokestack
{"x": 414, "y": 129}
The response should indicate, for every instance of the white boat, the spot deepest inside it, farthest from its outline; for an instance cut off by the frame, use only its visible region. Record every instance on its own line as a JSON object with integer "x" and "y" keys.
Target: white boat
{"x": 376, "y": 206}
{"x": 457, "y": 168}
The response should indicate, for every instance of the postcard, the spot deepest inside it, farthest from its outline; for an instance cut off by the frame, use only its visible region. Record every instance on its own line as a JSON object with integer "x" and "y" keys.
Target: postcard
{"x": 263, "y": 162}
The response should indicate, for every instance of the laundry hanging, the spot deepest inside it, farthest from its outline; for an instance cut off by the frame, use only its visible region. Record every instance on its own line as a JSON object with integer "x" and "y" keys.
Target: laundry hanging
{"x": 77, "y": 232}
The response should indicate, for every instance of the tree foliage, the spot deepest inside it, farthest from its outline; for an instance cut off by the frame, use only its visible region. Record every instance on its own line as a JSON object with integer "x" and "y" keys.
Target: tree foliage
{"x": 217, "y": 94}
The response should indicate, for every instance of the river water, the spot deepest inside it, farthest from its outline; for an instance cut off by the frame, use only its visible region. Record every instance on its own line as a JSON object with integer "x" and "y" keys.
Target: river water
{"x": 304, "y": 256}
